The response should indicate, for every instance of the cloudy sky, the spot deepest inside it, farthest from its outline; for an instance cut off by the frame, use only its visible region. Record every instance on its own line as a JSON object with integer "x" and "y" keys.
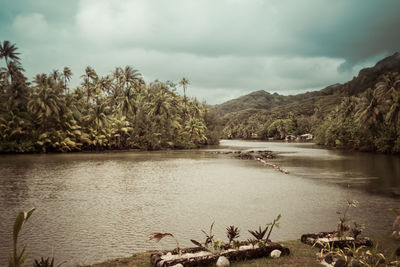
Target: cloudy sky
{"x": 226, "y": 48}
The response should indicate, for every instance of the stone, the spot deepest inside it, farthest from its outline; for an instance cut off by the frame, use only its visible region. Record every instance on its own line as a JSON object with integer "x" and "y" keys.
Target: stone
{"x": 328, "y": 259}
{"x": 275, "y": 253}
{"x": 396, "y": 228}
{"x": 222, "y": 261}
{"x": 177, "y": 265}
{"x": 340, "y": 263}
{"x": 397, "y": 252}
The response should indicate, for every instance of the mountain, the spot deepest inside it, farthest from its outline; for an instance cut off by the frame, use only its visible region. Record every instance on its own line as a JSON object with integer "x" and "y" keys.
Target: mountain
{"x": 306, "y": 103}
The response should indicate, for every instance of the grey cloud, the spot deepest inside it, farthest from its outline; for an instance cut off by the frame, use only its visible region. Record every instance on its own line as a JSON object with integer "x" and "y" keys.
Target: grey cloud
{"x": 226, "y": 48}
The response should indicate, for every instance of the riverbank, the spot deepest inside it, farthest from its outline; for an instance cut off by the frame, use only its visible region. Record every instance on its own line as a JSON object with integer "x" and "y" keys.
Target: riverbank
{"x": 301, "y": 255}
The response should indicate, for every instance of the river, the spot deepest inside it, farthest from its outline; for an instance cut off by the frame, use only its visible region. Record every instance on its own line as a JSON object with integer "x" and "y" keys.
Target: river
{"x": 96, "y": 206}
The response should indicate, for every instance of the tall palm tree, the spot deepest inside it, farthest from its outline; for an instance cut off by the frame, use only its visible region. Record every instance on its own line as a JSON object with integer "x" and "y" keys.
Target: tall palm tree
{"x": 184, "y": 82}
{"x": 393, "y": 116}
{"x": 67, "y": 74}
{"x": 132, "y": 77}
{"x": 88, "y": 78}
{"x": 8, "y": 51}
{"x": 370, "y": 116}
{"x": 55, "y": 74}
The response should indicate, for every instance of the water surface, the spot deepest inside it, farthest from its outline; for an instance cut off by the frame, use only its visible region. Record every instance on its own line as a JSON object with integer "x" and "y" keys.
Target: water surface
{"x": 92, "y": 207}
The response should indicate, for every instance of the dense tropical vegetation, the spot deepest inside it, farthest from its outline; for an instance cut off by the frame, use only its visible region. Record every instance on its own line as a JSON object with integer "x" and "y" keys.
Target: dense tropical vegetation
{"x": 121, "y": 111}
{"x": 362, "y": 114}
{"x": 368, "y": 122}
{"x": 117, "y": 111}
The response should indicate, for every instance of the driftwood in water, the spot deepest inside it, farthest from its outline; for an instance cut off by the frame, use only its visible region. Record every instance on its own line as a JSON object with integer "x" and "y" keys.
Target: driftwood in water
{"x": 320, "y": 238}
{"x": 276, "y": 167}
{"x": 156, "y": 259}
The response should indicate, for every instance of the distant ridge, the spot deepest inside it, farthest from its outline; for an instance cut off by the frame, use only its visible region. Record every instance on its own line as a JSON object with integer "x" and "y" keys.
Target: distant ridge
{"x": 305, "y": 103}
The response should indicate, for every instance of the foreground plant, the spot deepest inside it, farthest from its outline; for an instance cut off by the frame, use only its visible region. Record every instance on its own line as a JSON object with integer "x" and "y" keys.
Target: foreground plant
{"x": 18, "y": 257}
{"x": 209, "y": 238}
{"x": 396, "y": 224}
{"x": 343, "y": 226}
{"x": 259, "y": 234}
{"x": 356, "y": 256}
{"x": 271, "y": 225}
{"x": 49, "y": 262}
{"x": 158, "y": 236}
{"x": 232, "y": 232}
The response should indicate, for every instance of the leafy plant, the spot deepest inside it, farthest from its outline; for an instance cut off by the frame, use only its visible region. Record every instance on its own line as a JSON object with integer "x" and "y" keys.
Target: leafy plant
{"x": 274, "y": 223}
{"x": 357, "y": 229}
{"x": 235, "y": 244}
{"x": 252, "y": 241}
{"x": 18, "y": 257}
{"x": 259, "y": 234}
{"x": 217, "y": 245}
{"x": 158, "y": 236}
{"x": 49, "y": 262}
{"x": 395, "y": 211}
{"x": 232, "y": 232}
{"x": 343, "y": 227}
{"x": 209, "y": 236}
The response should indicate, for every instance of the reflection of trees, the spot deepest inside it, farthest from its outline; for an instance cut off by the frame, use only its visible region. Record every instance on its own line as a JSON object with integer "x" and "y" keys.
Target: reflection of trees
{"x": 14, "y": 190}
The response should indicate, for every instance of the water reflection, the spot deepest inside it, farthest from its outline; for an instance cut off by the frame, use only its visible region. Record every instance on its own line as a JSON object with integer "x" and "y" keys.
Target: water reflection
{"x": 91, "y": 207}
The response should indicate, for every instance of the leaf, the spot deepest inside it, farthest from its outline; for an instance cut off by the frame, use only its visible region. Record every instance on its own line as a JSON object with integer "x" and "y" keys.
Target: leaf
{"x": 158, "y": 236}
{"x": 196, "y": 243}
{"x": 19, "y": 222}
{"x": 395, "y": 211}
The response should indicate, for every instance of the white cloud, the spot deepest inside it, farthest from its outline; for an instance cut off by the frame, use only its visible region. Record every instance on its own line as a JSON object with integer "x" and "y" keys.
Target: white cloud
{"x": 226, "y": 48}
{"x": 31, "y": 26}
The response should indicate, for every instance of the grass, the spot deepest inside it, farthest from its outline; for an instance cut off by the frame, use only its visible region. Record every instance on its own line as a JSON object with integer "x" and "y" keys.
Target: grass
{"x": 300, "y": 255}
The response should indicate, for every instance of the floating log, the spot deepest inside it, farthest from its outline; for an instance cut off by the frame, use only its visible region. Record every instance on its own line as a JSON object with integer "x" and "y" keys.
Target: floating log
{"x": 188, "y": 256}
{"x": 318, "y": 239}
{"x": 276, "y": 167}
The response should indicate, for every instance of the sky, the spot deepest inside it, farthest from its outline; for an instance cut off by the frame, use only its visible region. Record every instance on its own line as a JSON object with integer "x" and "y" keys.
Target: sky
{"x": 225, "y": 48}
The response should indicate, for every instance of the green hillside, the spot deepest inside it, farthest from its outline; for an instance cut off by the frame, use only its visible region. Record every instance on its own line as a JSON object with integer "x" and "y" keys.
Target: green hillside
{"x": 372, "y": 98}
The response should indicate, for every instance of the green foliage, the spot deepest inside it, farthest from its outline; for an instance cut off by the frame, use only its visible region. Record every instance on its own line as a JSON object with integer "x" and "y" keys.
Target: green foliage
{"x": 259, "y": 234}
{"x": 232, "y": 232}
{"x": 343, "y": 226}
{"x": 369, "y": 122}
{"x": 48, "y": 262}
{"x": 117, "y": 111}
{"x": 18, "y": 257}
{"x": 358, "y": 256}
{"x": 217, "y": 245}
{"x": 271, "y": 225}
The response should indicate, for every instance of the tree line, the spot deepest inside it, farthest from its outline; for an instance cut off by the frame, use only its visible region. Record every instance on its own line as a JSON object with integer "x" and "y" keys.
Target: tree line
{"x": 369, "y": 121}
{"x": 116, "y": 111}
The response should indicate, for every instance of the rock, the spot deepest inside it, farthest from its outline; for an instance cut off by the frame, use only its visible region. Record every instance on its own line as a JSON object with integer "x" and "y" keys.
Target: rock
{"x": 340, "y": 263}
{"x": 275, "y": 253}
{"x": 222, "y": 261}
{"x": 397, "y": 252}
{"x": 328, "y": 259}
{"x": 396, "y": 228}
{"x": 177, "y": 265}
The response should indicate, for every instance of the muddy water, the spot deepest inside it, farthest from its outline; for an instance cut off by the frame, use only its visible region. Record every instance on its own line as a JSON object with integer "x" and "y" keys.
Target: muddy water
{"x": 93, "y": 207}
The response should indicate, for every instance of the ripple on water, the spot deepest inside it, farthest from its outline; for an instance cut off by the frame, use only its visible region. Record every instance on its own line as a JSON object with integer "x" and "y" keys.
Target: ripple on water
{"x": 92, "y": 207}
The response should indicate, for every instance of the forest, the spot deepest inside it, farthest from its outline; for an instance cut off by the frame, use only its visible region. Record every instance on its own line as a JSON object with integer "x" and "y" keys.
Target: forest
{"x": 120, "y": 111}
{"x": 362, "y": 114}
{"x": 116, "y": 111}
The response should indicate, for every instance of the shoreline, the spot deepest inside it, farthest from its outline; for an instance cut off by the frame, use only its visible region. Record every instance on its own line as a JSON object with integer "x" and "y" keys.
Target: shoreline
{"x": 301, "y": 255}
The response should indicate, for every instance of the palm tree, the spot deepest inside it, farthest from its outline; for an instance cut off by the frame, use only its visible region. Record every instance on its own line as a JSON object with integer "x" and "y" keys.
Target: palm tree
{"x": 88, "y": 78}
{"x": 55, "y": 74}
{"x": 67, "y": 74}
{"x": 393, "y": 116}
{"x": 184, "y": 82}
{"x": 132, "y": 77}
{"x": 370, "y": 116}
{"x": 8, "y": 51}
